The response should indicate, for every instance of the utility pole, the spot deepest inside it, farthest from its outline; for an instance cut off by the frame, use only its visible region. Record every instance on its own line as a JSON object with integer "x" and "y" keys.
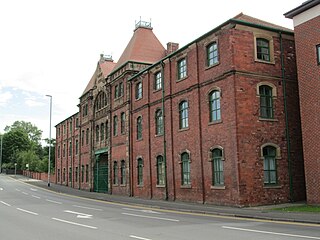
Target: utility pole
{"x": 49, "y": 159}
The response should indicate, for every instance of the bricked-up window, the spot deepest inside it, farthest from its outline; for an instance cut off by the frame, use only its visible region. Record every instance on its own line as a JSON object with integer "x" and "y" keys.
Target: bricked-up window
{"x": 157, "y": 81}
{"x": 87, "y": 136}
{"x": 123, "y": 172}
{"x": 160, "y": 171}
{"x": 185, "y": 169}
{"x": 318, "y": 53}
{"x": 70, "y": 174}
{"x": 159, "y": 122}
{"x": 183, "y": 115}
{"x": 102, "y": 132}
{"x": 182, "y": 68}
{"x": 97, "y": 133}
{"x": 266, "y": 101}
{"x": 87, "y": 173}
{"x": 139, "y": 90}
{"x": 82, "y": 173}
{"x": 263, "y": 49}
{"x": 217, "y": 167}
{"x": 139, "y": 128}
{"x": 123, "y": 123}
{"x": 76, "y": 175}
{"x": 115, "y": 126}
{"x": 212, "y": 54}
{"x": 140, "y": 172}
{"x": 214, "y": 105}
{"x": 115, "y": 173}
{"x": 269, "y": 165}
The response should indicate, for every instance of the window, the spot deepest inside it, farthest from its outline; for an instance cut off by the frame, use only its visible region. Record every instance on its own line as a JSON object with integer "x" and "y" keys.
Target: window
{"x": 97, "y": 133}
{"x": 59, "y": 150}
{"x": 123, "y": 172}
{"x": 139, "y": 90}
{"x": 82, "y": 137}
{"x": 140, "y": 171}
{"x": 212, "y": 54}
{"x": 182, "y": 68}
{"x": 266, "y": 101}
{"x": 58, "y": 175}
{"x": 263, "y": 49}
{"x": 116, "y": 91}
{"x": 64, "y": 174}
{"x": 217, "y": 167}
{"x": 70, "y": 174}
{"x": 185, "y": 169}
{"x": 87, "y": 136}
{"x": 115, "y": 173}
{"x": 115, "y": 126}
{"x": 64, "y": 150}
{"x": 159, "y": 122}
{"x": 139, "y": 128}
{"x": 102, "y": 132}
{"x": 269, "y": 165}
{"x": 82, "y": 173}
{"x": 160, "y": 171}
{"x": 120, "y": 89}
{"x": 214, "y": 105}
{"x": 183, "y": 115}
{"x": 77, "y": 146}
{"x": 77, "y": 122}
{"x": 107, "y": 129}
{"x": 157, "y": 81}
{"x": 318, "y": 54}
{"x": 123, "y": 123}
{"x": 87, "y": 173}
{"x": 76, "y": 175}
{"x": 70, "y": 126}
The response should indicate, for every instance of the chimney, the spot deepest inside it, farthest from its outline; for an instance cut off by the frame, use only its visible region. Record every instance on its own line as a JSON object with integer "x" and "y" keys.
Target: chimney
{"x": 104, "y": 58}
{"x": 172, "y": 47}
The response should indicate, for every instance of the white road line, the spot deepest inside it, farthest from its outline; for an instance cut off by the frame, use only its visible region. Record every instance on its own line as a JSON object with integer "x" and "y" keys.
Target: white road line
{"x": 272, "y": 233}
{"x": 7, "y": 204}
{"x": 73, "y": 223}
{"x": 48, "y": 200}
{"x": 18, "y": 190}
{"x": 158, "y": 218}
{"x": 136, "y": 237}
{"x": 33, "y": 189}
{"x": 35, "y": 196}
{"x": 95, "y": 209}
{"x": 79, "y": 215}
{"x": 26, "y": 211}
{"x": 142, "y": 210}
{"x": 1, "y": 189}
{"x": 25, "y": 193}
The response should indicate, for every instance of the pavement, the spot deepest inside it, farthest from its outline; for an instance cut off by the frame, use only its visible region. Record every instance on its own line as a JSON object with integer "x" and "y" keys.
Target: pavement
{"x": 260, "y": 212}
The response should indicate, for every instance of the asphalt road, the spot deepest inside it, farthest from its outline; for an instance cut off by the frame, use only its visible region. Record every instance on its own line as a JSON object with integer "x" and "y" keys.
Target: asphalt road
{"x": 28, "y": 212}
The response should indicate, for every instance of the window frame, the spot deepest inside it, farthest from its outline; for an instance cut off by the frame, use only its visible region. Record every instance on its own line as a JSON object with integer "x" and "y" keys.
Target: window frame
{"x": 160, "y": 170}
{"x": 182, "y": 68}
{"x": 217, "y": 165}
{"x": 159, "y": 122}
{"x": 215, "y": 106}
{"x": 122, "y": 172}
{"x": 261, "y": 55}
{"x": 271, "y": 48}
{"x": 183, "y": 115}
{"x": 139, "y": 171}
{"x": 185, "y": 169}
{"x": 268, "y": 179}
{"x": 123, "y": 123}
{"x": 214, "y": 52}
{"x": 266, "y": 104}
{"x": 115, "y": 173}
{"x": 318, "y": 53}
{"x": 139, "y": 127}
{"x": 115, "y": 125}
{"x": 139, "y": 91}
{"x": 158, "y": 81}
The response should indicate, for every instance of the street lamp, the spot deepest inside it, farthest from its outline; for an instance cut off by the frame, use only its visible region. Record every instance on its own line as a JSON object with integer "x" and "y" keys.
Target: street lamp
{"x": 49, "y": 139}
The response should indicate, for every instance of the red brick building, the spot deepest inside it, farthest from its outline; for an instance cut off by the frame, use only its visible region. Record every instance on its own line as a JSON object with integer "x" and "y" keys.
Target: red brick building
{"x": 306, "y": 19}
{"x": 216, "y": 121}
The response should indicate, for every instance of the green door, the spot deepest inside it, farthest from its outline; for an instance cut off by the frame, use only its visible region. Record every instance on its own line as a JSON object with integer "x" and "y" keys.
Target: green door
{"x": 101, "y": 176}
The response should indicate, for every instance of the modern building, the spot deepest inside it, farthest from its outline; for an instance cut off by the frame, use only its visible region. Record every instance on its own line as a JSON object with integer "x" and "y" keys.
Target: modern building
{"x": 306, "y": 20}
{"x": 216, "y": 121}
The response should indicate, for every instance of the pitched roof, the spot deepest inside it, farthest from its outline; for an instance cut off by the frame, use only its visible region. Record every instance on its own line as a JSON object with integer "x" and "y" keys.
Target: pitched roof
{"x": 257, "y": 21}
{"x": 303, "y": 7}
{"x": 144, "y": 47}
{"x": 106, "y": 67}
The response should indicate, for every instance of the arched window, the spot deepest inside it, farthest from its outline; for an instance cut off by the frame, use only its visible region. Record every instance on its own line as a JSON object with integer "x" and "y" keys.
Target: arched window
{"x": 139, "y": 128}
{"x": 159, "y": 122}
{"x": 160, "y": 171}
{"x": 185, "y": 169}
{"x": 263, "y": 49}
{"x": 212, "y": 54}
{"x": 214, "y": 105}
{"x": 115, "y": 172}
{"x": 217, "y": 167}
{"x": 266, "y": 101}
{"x": 183, "y": 114}
{"x": 115, "y": 126}
{"x": 140, "y": 171}
{"x": 269, "y": 165}
{"x": 123, "y": 172}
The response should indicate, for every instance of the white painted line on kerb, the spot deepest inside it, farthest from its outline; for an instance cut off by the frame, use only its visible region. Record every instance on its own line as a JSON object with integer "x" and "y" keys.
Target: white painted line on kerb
{"x": 90, "y": 208}
{"x": 73, "y": 223}
{"x": 141, "y": 238}
{"x": 142, "y": 210}
{"x": 7, "y": 204}
{"x": 35, "y": 196}
{"x": 272, "y": 233}
{"x": 26, "y": 211}
{"x": 48, "y": 200}
{"x": 158, "y": 218}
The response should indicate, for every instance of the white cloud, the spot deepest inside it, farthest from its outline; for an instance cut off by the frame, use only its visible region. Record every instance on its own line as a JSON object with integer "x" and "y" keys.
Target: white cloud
{"x": 5, "y": 97}
{"x": 33, "y": 103}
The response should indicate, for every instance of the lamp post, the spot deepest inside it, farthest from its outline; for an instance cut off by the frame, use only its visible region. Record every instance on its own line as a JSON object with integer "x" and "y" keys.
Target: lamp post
{"x": 1, "y": 153}
{"x": 49, "y": 139}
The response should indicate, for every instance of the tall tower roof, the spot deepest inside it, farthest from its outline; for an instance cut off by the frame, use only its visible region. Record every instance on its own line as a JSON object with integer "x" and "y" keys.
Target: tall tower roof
{"x": 144, "y": 46}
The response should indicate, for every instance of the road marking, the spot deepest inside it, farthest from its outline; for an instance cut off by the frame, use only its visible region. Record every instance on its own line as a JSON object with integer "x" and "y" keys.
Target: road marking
{"x": 1, "y": 189}
{"x": 7, "y": 204}
{"x": 18, "y": 190}
{"x": 48, "y": 200}
{"x": 95, "y": 209}
{"x": 158, "y": 218}
{"x": 35, "y": 196}
{"x": 73, "y": 223}
{"x": 79, "y": 215}
{"x": 142, "y": 210}
{"x": 33, "y": 189}
{"x": 26, "y": 211}
{"x": 25, "y": 193}
{"x": 136, "y": 237}
{"x": 272, "y": 233}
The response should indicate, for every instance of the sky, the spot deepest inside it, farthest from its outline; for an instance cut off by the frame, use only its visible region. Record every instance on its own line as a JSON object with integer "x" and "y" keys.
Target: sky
{"x": 51, "y": 47}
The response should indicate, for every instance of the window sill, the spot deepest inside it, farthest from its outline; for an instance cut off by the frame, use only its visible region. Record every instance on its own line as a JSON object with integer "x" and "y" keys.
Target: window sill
{"x": 211, "y": 66}
{"x": 123, "y": 185}
{"x": 140, "y": 186}
{"x": 138, "y": 99}
{"x": 158, "y": 135}
{"x": 263, "y": 61}
{"x": 268, "y": 119}
{"x": 184, "y": 129}
{"x": 139, "y": 140}
{"x": 181, "y": 79}
{"x": 222, "y": 187}
{"x": 115, "y": 185}
{"x": 276, "y": 186}
{"x": 160, "y": 186}
{"x": 157, "y": 90}
{"x": 215, "y": 122}
{"x": 186, "y": 186}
